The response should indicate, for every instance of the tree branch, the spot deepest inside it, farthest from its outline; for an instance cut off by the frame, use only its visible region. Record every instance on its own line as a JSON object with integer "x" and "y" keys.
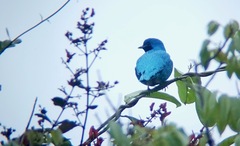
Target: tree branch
{"x": 30, "y": 119}
{"x": 36, "y": 25}
{"x": 104, "y": 126}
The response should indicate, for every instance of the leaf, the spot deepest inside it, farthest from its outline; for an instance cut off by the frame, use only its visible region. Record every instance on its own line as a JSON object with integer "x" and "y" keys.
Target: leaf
{"x": 43, "y": 116}
{"x": 67, "y": 125}
{"x": 92, "y": 106}
{"x": 206, "y": 106}
{"x": 227, "y": 141}
{"x": 234, "y": 116}
{"x": 204, "y": 54}
{"x": 59, "y": 101}
{"x": 233, "y": 66}
{"x": 221, "y": 56}
{"x": 116, "y": 133}
{"x": 129, "y": 97}
{"x": 57, "y": 137}
{"x": 237, "y": 140}
{"x": 235, "y": 43}
{"x": 236, "y": 40}
{"x": 169, "y": 136}
{"x": 230, "y": 29}
{"x": 223, "y": 108}
{"x": 227, "y": 31}
{"x": 212, "y": 27}
{"x": 8, "y": 34}
{"x": 135, "y": 121}
{"x": 5, "y": 44}
{"x": 185, "y": 90}
{"x": 164, "y": 96}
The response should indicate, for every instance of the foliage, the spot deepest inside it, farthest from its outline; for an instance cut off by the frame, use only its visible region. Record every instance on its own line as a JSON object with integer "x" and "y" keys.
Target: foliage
{"x": 212, "y": 109}
{"x": 208, "y": 104}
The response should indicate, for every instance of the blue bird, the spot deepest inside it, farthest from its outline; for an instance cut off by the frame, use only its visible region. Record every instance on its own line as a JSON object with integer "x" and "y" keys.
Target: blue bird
{"x": 155, "y": 65}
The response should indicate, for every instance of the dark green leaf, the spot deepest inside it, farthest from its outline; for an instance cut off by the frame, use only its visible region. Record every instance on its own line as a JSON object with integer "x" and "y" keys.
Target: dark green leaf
{"x": 164, "y": 96}
{"x": 116, "y": 133}
{"x": 205, "y": 54}
{"x": 67, "y": 125}
{"x": 212, "y": 27}
{"x": 59, "y": 101}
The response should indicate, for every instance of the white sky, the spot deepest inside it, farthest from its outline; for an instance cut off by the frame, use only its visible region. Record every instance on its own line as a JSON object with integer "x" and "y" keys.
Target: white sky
{"x": 34, "y": 69}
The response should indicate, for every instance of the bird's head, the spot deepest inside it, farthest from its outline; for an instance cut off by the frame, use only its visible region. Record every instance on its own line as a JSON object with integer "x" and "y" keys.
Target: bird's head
{"x": 152, "y": 43}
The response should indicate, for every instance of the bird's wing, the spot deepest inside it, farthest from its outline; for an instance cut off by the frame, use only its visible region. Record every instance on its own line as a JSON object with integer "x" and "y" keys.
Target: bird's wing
{"x": 151, "y": 65}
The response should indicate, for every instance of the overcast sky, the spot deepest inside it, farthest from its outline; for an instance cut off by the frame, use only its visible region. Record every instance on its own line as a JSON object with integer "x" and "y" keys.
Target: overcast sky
{"x": 34, "y": 69}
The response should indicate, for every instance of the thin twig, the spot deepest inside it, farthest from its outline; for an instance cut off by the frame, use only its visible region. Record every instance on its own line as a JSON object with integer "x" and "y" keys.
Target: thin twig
{"x": 88, "y": 91}
{"x": 212, "y": 76}
{"x": 30, "y": 119}
{"x": 46, "y": 19}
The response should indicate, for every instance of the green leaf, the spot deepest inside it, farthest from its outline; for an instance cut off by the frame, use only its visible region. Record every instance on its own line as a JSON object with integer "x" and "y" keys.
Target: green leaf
{"x": 227, "y": 141}
{"x": 235, "y": 43}
{"x": 233, "y": 66}
{"x": 35, "y": 138}
{"x": 129, "y": 97}
{"x": 185, "y": 87}
{"x": 205, "y": 54}
{"x": 206, "y": 106}
{"x": 237, "y": 140}
{"x": 234, "y": 116}
{"x": 67, "y": 125}
{"x": 57, "y": 137}
{"x": 59, "y": 101}
{"x": 164, "y": 96}
{"x": 212, "y": 27}
{"x": 221, "y": 56}
{"x": 223, "y": 108}
{"x": 4, "y": 44}
{"x": 169, "y": 136}
{"x": 230, "y": 29}
{"x": 236, "y": 40}
{"x": 203, "y": 140}
{"x": 116, "y": 133}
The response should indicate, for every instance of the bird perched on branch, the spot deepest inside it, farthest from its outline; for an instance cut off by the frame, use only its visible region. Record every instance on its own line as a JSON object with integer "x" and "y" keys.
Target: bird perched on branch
{"x": 155, "y": 65}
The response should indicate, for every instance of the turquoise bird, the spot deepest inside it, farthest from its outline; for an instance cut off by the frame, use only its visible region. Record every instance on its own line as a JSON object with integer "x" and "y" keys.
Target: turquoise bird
{"x": 155, "y": 65}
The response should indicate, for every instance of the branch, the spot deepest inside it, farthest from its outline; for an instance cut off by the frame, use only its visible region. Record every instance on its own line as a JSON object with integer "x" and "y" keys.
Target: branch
{"x": 37, "y": 24}
{"x": 104, "y": 126}
{"x": 30, "y": 119}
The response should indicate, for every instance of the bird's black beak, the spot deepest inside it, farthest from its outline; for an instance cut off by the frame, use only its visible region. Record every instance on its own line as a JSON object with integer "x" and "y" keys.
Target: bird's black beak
{"x": 141, "y": 47}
